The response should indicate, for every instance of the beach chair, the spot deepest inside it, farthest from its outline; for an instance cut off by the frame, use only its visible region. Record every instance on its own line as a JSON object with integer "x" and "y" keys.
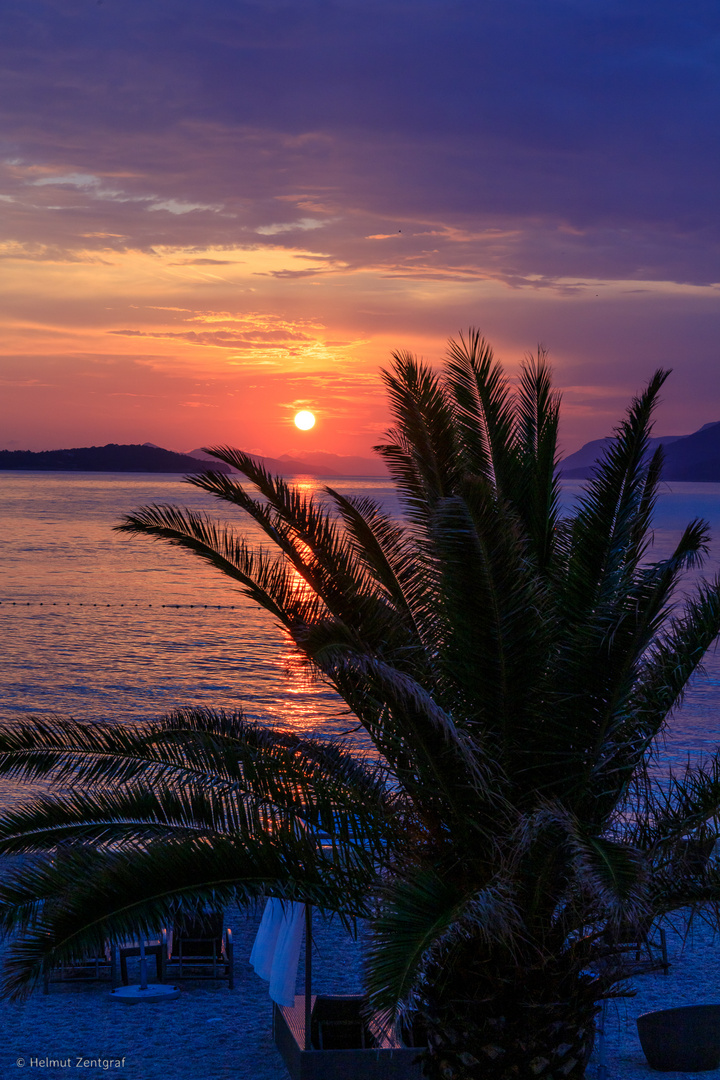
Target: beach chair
{"x": 201, "y": 949}
{"x": 86, "y": 968}
{"x": 646, "y": 944}
{"x": 692, "y": 857}
{"x": 338, "y": 1023}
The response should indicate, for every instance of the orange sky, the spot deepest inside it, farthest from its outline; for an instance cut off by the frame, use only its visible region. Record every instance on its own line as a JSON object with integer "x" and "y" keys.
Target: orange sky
{"x": 184, "y": 346}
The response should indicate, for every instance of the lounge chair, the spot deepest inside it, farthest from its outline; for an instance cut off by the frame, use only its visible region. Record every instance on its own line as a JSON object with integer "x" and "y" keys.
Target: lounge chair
{"x": 85, "y": 969}
{"x": 337, "y": 1023}
{"x": 647, "y": 942}
{"x": 687, "y": 865}
{"x": 201, "y": 949}
{"x": 87, "y": 966}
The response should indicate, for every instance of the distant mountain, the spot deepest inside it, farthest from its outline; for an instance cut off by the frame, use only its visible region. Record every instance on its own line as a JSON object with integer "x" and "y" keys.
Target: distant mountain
{"x": 315, "y": 463}
{"x": 345, "y": 465}
{"x": 696, "y": 457}
{"x": 284, "y": 466}
{"x": 114, "y": 457}
{"x": 151, "y": 458}
{"x": 693, "y": 457}
{"x": 578, "y": 465}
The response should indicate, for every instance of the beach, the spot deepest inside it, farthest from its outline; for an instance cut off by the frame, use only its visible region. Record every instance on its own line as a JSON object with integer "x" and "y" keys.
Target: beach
{"x": 209, "y": 1032}
{"x": 692, "y": 979}
{"x": 215, "y": 1033}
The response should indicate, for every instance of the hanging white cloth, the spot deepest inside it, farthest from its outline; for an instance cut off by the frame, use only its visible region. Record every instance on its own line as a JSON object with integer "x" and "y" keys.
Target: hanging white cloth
{"x": 276, "y": 951}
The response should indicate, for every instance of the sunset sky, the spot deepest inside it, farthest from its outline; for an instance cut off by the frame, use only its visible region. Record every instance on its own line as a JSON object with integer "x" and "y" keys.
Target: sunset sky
{"x": 217, "y": 213}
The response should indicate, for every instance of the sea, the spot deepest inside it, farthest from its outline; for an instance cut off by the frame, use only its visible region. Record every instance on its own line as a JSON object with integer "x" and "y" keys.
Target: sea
{"x": 100, "y": 625}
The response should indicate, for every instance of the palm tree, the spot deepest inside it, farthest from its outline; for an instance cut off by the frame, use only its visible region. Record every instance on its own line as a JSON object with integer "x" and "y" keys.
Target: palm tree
{"x": 512, "y": 669}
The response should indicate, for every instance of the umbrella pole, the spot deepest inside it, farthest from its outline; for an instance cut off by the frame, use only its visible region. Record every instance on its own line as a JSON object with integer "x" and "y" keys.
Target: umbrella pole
{"x": 308, "y": 973}
{"x": 143, "y": 966}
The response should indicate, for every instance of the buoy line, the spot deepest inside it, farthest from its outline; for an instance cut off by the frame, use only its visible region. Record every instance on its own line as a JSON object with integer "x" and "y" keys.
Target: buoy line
{"x": 81, "y": 603}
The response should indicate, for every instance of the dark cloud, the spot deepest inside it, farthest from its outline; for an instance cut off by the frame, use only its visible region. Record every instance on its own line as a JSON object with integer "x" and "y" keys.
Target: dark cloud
{"x": 222, "y": 339}
{"x": 588, "y": 128}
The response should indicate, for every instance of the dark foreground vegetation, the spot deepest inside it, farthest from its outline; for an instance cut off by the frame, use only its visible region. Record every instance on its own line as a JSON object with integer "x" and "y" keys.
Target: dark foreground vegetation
{"x": 512, "y": 669}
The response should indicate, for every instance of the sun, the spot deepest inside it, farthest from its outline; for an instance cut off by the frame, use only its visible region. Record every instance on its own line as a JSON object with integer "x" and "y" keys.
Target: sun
{"x": 304, "y": 420}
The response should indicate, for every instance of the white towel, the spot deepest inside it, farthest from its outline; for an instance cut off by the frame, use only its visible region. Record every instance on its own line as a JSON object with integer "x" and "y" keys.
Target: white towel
{"x": 276, "y": 951}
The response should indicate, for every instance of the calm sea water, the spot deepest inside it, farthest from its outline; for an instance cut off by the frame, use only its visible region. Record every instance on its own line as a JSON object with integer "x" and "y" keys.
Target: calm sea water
{"x": 99, "y": 625}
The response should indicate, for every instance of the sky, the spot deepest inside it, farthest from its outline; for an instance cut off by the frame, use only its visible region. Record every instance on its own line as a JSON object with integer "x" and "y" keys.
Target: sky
{"x": 215, "y": 214}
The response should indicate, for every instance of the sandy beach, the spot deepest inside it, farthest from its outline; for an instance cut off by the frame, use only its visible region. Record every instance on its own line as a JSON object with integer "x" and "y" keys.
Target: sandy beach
{"x": 693, "y": 979}
{"x": 210, "y": 1032}
{"x": 215, "y": 1033}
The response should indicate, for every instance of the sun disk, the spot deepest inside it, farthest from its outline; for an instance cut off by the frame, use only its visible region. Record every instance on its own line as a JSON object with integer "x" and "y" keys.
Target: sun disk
{"x": 304, "y": 420}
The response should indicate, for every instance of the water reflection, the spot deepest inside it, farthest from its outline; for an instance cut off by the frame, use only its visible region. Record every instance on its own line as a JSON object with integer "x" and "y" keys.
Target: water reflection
{"x": 138, "y": 659}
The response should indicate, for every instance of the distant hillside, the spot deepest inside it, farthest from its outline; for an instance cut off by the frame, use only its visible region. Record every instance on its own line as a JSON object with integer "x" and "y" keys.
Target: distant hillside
{"x": 693, "y": 457}
{"x": 696, "y": 457}
{"x": 111, "y": 458}
{"x": 345, "y": 465}
{"x": 315, "y": 463}
{"x": 285, "y": 466}
{"x": 578, "y": 465}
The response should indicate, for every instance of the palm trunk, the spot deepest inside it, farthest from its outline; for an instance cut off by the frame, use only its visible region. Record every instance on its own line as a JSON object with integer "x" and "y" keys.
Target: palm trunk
{"x": 520, "y": 1023}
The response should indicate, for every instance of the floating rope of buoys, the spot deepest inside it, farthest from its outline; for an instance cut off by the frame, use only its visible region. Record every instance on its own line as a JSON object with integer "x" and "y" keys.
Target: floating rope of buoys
{"x": 88, "y": 603}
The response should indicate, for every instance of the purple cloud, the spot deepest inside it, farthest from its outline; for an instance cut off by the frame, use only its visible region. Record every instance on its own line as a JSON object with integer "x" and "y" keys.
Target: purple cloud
{"x": 589, "y": 129}
{"x": 421, "y": 163}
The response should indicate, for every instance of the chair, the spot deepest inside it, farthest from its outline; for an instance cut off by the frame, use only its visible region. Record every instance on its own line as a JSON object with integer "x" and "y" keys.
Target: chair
{"x": 687, "y": 865}
{"x": 200, "y": 949}
{"x": 87, "y": 966}
{"x": 337, "y": 1023}
{"x": 636, "y": 939}
{"x": 692, "y": 857}
{"x": 639, "y": 939}
{"x": 85, "y": 969}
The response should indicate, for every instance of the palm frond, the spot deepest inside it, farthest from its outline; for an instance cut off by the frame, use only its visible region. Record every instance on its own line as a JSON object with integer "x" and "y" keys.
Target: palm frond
{"x": 536, "y": 432}
{"x": 423, "y": 917}
{"x": 432, "y": 756}
{"x": 296, "y": 524}
{"x": 612, "y": 745}
{"x": 197, "y": 769}
{"x": 73, "y": 904}
{"x": 607, "y": 539}
{"x": 686, "y": 804}
{"x": 397, "y": 562}
{"x": 484, "y": 414}
{"x": 421, "y": 452}
{"x": 491, "y": 650}
{"x": 266, "y": 579}
{"x": 673, "y": 658}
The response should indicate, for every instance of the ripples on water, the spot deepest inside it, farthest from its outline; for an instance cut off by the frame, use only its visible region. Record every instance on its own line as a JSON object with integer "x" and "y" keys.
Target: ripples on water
{"x": 103, "y": 646}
